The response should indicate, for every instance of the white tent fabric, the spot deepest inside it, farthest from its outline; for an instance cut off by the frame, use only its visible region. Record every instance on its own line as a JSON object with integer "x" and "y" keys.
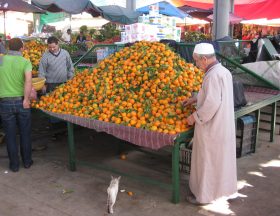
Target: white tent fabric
{"x": 266, "y": 69}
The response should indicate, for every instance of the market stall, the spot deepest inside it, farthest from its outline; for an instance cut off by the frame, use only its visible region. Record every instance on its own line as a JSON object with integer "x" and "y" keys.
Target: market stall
{"x": 140, "y": 137}
{"x": 259, "y": 92}
{"x": 134, "y": 94}
{"x": 19, "y": 6}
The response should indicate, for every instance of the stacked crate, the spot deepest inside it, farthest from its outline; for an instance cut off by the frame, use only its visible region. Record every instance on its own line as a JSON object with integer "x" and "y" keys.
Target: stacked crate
{"x": 246, "y": 133}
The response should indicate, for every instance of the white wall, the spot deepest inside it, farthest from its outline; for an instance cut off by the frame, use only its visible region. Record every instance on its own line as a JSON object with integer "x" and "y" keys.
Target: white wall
{"x": 142, "y": 3}
{"x": 109, "y": 2}
{"x": 16, "y": 23}
{"x": 139, "y": 3}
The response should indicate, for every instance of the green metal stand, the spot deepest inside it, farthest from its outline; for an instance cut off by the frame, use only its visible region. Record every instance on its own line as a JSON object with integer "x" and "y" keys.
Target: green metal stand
{"x": 258, "y": 114}
{"x": 256, "y": 108}
{"x": 181, "y": 138}
{"x": 72, "y": 154}
{"x": 113, "y": 46}
{"x": 175, "y": 166}
{"x": 175, "y": 174}
{"x": 273, "y": 121}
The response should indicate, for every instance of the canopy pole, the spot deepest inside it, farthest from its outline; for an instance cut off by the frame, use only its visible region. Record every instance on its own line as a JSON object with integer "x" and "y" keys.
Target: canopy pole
{"x": 221, "y": 19}
{"x": 70, "y": 18}
{"x": 4, "y": 27}
{"x": 231, "y": 26}
{"x": 131, "y": 4}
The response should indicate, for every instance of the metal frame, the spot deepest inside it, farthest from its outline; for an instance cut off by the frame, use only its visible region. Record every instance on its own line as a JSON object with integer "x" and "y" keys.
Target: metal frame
{"x": 92, "y": 49}
{"x": 175, "y": 187}
{"x": 246, "y": 70}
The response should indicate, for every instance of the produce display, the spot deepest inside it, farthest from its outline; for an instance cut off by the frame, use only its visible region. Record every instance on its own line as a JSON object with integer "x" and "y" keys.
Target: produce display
{"x": 142, "y": 86}
{"x": 33, "y": 50}
{"x": 107, "y": 41}
{"x": 73, "y": 48}
{"x": 196, "y": 36}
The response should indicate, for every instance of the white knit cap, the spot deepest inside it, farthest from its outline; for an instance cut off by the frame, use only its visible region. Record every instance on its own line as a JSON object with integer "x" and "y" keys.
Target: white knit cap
{"x": 204, "y": 49}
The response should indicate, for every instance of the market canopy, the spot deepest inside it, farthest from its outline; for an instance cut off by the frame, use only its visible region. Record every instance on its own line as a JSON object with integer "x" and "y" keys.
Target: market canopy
{"x": 233, "y": 19}
{"x": 247, "y": 9}
{"x": 118, "y": 14}
{"x": 196, "y": 12}
{"x": 268, "y": 9}
{"x": 112, "y": 13}
{"x": 68, "y": 6}
{"x": 208, "y": 4}
{"x": 19, "y": 6}
{"x": 166, "y": 9}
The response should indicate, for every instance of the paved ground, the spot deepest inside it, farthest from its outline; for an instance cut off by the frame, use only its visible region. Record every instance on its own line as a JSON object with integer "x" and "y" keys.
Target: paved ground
{"x": 48, "y": 188}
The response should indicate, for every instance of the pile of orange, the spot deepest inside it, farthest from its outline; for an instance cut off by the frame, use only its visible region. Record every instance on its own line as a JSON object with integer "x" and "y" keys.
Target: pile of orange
{"x": 33, "y": 50}
{"x": 142, "y": 86}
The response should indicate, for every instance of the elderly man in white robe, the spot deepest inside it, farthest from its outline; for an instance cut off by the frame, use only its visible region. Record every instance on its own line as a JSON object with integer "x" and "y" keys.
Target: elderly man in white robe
{"x": 213, "y": 165}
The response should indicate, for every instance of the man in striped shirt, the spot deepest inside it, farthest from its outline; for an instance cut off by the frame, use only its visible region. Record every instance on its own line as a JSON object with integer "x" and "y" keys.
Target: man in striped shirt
{"x": 55, "y": 65}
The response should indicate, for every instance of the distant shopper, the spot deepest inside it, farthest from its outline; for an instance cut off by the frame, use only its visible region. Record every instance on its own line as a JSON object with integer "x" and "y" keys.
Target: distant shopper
{"x": 81, "y": 38}
{"x": 2, "y": 46}
{"x": 15, "y": 89}
{"x": 66, "y": 37}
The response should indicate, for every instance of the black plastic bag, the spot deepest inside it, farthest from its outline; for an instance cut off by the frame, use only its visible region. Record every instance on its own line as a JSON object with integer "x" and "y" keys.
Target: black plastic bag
{"x": 238, "y": 95}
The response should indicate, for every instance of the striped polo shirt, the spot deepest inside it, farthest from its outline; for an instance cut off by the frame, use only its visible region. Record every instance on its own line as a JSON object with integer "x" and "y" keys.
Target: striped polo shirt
{"x": 56, "y": 68}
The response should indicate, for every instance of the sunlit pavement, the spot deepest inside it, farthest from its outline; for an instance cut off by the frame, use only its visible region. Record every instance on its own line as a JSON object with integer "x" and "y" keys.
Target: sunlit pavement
{"x": 49, "y": 188}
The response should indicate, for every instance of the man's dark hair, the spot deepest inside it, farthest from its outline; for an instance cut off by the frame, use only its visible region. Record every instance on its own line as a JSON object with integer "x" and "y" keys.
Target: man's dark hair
{"x": 15, "y": 44}
{"x": 52, "y": 39}
{"x": 68, "y": 30}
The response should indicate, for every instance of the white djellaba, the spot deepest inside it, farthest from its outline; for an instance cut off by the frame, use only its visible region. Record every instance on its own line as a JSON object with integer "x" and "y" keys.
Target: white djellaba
{"x": 112, "y": 191}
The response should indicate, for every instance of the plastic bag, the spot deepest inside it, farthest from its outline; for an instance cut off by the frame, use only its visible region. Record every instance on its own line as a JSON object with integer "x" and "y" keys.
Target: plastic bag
{"x": 238, "y": 95}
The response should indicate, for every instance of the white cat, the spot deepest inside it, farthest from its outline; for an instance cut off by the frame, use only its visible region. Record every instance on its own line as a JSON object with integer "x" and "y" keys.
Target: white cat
{"x": 112, "y": 191}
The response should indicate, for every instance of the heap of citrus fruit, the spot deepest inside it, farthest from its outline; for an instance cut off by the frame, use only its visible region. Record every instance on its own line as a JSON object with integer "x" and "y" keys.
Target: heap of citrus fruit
{"x": 141, "y": 86}
{"x": 33, "y": 50}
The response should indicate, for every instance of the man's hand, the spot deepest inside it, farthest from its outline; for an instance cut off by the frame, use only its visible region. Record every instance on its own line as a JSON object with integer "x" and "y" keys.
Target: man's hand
{"x": 44, "y": 89}
{"x": 26, "y": 103}
{"x": 190, "y": 120}
{"x": 189, "y": 101}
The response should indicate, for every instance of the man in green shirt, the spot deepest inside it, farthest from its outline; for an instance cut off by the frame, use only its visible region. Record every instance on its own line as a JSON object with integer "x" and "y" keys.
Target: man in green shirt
{"x": 15, "y": 89}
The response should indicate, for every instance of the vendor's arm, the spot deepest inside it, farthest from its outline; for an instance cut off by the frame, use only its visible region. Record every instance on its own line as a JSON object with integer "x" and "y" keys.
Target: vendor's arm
{"x": 64, "y": 37}
{"x": 70, "y": 67}
{"x": 42, "y": 71}
{"x": 43, "y": 67}
{"x": 27, "y": 86}
{"x": 213, "y": 98}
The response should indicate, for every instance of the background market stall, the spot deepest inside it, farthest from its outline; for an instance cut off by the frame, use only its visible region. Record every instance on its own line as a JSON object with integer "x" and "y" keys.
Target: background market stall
{"x": 19, "y": 6}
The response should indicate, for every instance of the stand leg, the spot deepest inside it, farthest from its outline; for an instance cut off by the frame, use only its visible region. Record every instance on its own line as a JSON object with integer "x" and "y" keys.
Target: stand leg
{"x": 175, "y": 174}
{"x": 273, "y": 122}
{"x": 258, "y": 113}
{"x": 72, "y": 153}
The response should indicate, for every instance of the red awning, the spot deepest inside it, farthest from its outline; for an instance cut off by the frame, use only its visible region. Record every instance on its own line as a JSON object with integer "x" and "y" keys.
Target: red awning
{"x": 247, "y": 9}
{"x": 203, "y": 5}
{"x": 268, "y": 9}
{"x": 233, "y": 19}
